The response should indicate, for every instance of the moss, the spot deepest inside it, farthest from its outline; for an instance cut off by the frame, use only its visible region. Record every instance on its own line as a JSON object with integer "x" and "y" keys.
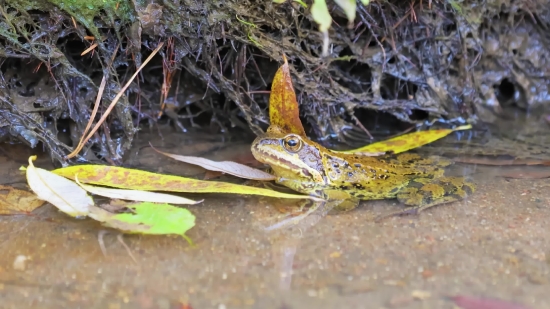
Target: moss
{"x": 83, "y": 11}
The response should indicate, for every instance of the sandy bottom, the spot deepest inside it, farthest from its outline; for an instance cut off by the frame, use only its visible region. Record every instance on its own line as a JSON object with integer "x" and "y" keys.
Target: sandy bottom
{"x": 495, "y": 244}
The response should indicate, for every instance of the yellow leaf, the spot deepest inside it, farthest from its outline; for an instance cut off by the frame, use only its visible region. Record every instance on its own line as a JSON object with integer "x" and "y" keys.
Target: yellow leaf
{"x": 125, "y": 178}
{"x": 64, "y": 194}
{"x": 15, "y": 202}
{"x": 283, "y": 107}
{"x": 406, "y": 142}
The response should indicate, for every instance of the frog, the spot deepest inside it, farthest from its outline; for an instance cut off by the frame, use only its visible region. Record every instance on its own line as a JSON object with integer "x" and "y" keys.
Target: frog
{"x": 309, "y": 168}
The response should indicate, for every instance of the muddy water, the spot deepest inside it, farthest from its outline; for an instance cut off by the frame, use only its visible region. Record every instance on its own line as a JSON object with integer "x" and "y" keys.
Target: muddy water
{"x": 495, "y": 244}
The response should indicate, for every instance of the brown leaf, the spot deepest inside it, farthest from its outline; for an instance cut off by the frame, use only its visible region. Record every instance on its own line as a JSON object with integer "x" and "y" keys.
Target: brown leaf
{"x": 283, "y": 107}
{"x": 467, "y": 302}
{"x": 15, "y": 202}
{"x": 525, "y": 174}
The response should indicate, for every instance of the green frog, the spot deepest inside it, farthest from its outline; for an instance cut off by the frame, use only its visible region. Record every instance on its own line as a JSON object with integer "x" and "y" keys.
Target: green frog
{"x": 307, "y": 167}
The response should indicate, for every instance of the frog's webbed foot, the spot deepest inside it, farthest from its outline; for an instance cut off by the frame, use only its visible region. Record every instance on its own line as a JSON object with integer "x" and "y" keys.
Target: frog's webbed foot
{"x": 424, "y": 193}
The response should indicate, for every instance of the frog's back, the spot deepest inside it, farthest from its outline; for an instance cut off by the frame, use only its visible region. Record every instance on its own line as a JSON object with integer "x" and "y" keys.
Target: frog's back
{"x": 382, "y": 177}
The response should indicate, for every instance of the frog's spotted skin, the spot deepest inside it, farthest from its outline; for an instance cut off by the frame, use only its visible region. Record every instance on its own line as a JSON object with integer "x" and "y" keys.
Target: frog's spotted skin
{"x": 310, "y": 168}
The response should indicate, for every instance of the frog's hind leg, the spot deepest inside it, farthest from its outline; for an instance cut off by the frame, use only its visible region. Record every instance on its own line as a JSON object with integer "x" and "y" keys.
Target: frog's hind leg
{"x": 421, "y": 194}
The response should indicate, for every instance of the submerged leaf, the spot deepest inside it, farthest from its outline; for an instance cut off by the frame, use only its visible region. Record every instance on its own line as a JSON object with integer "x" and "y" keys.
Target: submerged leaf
{"x": 15, "y": 202}
{"x": 283, "y": 107}
{"x": 125, "y": 178}
{"x": 228, "y": 167}
{"x": 406, "y": 142}
{"x": 136, "y": 195}
{"x": 64, "y": 194}
{"x": 468, "y": 302}
{"x": 148, "y": 218}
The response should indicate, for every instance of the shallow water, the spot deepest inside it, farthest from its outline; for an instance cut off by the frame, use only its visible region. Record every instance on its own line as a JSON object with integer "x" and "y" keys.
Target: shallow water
{"x": 494, "y": 244}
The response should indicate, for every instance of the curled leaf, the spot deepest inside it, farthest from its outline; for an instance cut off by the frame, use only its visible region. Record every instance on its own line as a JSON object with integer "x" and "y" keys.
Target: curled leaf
{"x": 228, "y": 167}
{"x": 64, "y": 194}
{"x": 283, "y": 107}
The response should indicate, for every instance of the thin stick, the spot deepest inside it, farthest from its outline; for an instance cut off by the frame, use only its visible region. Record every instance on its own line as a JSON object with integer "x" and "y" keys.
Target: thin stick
{"x": 119, "y": 95}
{"x": 92, "y": 117}
{"x": 89, "y": 49}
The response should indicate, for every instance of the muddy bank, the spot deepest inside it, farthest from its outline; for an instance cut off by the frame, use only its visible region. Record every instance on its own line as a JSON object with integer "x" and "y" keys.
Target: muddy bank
{"x": 412, "y": 61}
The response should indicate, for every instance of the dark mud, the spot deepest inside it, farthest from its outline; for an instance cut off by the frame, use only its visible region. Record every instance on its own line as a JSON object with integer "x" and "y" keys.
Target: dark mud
{"x": 412, "y": 61}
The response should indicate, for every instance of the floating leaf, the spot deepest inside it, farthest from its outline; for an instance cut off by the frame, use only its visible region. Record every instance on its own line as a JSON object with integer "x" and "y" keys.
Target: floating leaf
{"x": 283, "y": 107}
{"x": 136, "y": 195}
{"x": 148, "y": 218}
{"x": 125, "y": 178}
{"x": 349, "y": 7}
{"x": 228, "y": 167}
{"x": 64, "y": 194}
{"x": 406, "y": 142}
{"x": 15, "y": 202}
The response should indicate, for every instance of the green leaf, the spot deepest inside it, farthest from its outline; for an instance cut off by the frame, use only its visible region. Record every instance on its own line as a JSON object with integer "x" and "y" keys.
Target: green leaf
{"x": 365, "y": 2}
{"x": 349, "y": 7}
{"x": 148, "y": 218}
{"x": 321, "y": 15}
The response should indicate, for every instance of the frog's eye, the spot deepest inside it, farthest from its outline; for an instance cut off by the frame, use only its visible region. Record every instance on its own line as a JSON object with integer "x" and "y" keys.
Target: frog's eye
{"x": 292, "y": 143}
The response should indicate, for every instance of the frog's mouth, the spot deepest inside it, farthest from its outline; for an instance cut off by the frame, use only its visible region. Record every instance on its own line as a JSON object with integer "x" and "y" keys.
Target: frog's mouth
{"x": 272, "y": 160}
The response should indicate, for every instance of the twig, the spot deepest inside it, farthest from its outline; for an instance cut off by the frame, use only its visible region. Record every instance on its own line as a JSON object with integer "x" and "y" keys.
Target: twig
{"x": 113, "y": 103}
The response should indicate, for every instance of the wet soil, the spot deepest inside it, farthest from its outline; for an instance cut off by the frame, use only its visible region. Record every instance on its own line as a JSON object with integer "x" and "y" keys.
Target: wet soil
{"x": 494, "y": 244}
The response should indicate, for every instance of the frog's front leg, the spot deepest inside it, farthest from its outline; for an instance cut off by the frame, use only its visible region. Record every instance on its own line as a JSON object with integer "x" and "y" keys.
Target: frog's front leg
{"x": 423, "y": 193}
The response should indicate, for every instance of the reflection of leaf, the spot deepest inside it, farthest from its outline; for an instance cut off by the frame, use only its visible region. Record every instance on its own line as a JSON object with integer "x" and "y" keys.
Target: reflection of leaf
{"x": 283, "y": 107}
{"x": 407, "y": 142}
{"x": 148, "y": 218}
{"x": 228, "y": 167}
{"x": 14, "y": 201}
{"x": 64, "y": 194}
{"x": 136, "y": 195}
{"x": 125, "y": 178}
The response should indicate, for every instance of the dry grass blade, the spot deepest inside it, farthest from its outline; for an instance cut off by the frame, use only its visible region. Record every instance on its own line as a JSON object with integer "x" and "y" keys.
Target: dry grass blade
{"x": 117, "y": 97}
{"x": 89, "y": 49}
{"x": 92, "y": 117}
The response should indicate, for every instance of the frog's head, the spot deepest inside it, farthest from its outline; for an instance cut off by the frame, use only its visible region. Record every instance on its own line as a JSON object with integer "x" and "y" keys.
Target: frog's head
{"x": 290, "y": 155}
